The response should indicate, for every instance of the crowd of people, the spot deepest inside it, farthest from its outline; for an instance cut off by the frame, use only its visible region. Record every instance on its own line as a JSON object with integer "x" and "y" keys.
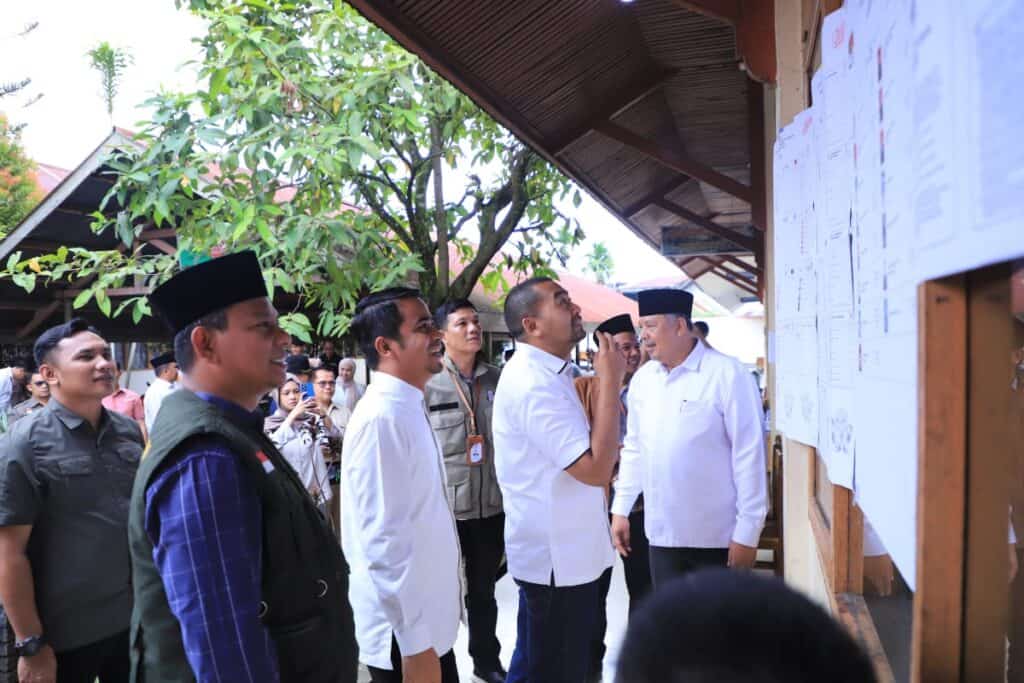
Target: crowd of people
{"x": 259, "y": 515}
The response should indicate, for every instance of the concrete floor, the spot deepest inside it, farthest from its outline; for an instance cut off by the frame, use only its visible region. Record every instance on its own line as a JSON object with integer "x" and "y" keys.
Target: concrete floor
{"x": 508, "y": 600}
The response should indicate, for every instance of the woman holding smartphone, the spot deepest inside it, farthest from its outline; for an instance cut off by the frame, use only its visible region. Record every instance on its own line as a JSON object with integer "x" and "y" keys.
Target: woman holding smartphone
{"x": 298, "y": 429}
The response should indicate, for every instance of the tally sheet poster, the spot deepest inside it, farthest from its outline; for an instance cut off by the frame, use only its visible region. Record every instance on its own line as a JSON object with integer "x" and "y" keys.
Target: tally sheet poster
{"x": 908, "y": 167}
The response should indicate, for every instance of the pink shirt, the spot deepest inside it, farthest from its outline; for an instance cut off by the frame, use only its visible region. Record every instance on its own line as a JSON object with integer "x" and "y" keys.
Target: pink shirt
{"x": 126, "y": 402}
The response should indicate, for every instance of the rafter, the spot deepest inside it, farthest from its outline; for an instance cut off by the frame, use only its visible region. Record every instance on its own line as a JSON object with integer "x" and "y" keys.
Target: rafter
{"x": 163, "y": 246}
{"x": 614, "y": 105}
{"x": 675, "y": 161}
{"x": 735, "y": 281}
{"x": 665, "y": 188}
{"x": 727, "y": 11}
{"x": 41, "y": 315}
{"x": 709, "y": 263}
{"x": 756, "y": 270}
{"x": 739, "y": 239}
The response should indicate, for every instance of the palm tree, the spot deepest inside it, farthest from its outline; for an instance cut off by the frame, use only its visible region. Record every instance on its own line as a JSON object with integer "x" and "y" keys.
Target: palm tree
{"x": 600, "y": 263}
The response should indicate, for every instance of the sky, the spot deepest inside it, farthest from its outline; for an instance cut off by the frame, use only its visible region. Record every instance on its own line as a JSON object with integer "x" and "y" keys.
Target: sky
{"x": 70, "y": 119}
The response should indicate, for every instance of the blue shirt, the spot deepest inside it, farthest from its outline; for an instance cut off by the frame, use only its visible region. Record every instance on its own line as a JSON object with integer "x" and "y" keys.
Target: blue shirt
{"x": 205, "y": 523}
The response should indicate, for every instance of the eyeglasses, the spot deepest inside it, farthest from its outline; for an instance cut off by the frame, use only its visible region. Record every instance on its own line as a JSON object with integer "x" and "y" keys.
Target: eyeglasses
{"x": 325, "y": 383}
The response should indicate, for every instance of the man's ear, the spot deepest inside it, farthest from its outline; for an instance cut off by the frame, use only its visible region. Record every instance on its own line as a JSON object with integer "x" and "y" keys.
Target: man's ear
{"x": 530, "y": 325}
{"x": 204, "y": 343}
{"x": 382, "y": 345}
{"x": 49, "y": 374}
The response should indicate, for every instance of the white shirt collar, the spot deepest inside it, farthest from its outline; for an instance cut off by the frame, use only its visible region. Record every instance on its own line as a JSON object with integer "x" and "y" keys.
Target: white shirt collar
{"x": 691, "y": 364}
{"x": 535, "y": 355}
{"x": 389, "y": 384}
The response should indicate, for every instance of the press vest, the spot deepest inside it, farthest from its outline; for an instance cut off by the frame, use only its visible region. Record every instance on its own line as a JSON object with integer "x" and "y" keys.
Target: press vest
{"x": 304, "y": 602}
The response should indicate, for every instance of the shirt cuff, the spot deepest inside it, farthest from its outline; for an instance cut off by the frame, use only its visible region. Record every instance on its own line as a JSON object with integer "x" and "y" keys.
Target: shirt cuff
{"x": 412, "y": 641}
{"x": 623, "y": 505}
{"x": 747, "y": 533}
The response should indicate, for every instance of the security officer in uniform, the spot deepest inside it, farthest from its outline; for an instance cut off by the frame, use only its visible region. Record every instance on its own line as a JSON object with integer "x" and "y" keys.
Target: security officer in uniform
{"x": 460, "y": 400}
{"x": 236, "y": 574}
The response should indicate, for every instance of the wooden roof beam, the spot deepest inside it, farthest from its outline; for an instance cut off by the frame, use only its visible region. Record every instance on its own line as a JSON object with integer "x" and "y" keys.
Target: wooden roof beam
{"x": 739, "y": 239}
{"x": 677, "y": 162}
{"x": 754, "y": 21}
{"x": 671, "y": 186}
{"x": 709, "y": 263}
{"x": 756, "y": 270}
{"x": 727, "y": 11}
{"x": 613, "y": 105}
{"x": 735, "y": 281}
{"x": 41, "y": 315}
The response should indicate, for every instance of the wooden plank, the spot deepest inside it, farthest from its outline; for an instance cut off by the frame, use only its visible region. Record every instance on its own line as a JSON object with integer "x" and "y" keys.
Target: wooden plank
{"x": 739, "y": 239}
{"x": 758, "y": 153}
{"x": 614, "y": 105}
{"x": 163, "y": 246}
{"x": 736, "y": 261}
{"x": 41, "y": 315}
{"x": 986, "y": 589}
{"x": 855, "y": 572}
{"x": 112, "y": 292}
{"x": 842, "y": 498}
{"x": 755, "y": 40}
{"x": 727, "y": 11}
{"x": 708, "y": 265}
{"x": 941, "y": 485}
{"x": 677, "y": 162}
{"x": 735, "y": 281}
{"x": 852, "y": 612}
{"x": 671, "y": 185}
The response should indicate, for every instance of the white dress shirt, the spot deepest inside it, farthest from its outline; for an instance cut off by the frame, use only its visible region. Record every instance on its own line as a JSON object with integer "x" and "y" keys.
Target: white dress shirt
{"x": 398, "y": 532}
{"x": 556, "y": 527}
{"x": 695, "y": 449}
{"x": 155, "y": 395}
{"x": 6, "y": 388}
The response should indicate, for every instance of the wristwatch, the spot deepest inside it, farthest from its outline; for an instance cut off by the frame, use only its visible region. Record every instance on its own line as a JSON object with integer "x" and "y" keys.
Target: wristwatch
{"x": 29, "y": 646}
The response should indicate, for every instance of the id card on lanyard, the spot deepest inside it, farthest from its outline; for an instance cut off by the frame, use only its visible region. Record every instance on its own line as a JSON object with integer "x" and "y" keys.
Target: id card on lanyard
{"x": 476, "y": 452}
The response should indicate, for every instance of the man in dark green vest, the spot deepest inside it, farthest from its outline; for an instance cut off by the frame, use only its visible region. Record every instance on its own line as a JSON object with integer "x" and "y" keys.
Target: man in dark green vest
{"x": 236, "y": 575}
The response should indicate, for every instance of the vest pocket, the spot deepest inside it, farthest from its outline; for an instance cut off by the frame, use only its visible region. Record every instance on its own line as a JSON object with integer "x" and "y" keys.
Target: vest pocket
{"x": 301, "y": 648}
{"x": 460, "y": 497}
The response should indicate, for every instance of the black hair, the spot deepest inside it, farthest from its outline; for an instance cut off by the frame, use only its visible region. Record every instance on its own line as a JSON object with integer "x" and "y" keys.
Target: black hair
{"x": 449, "y": 307}
{"x": 703, "y": 327}
{"x": 377, "y": 315}
{"x": 158, "y": 369}
{"x": 520, "y": 303}
{"x": 730, "y": 626}
{"x": 25, "y": 362}
{"x": 295, "y": 341}
{"x": 48, "y": 340}
{"x": 322, "y": 368}
{"x": 183, "y": 352}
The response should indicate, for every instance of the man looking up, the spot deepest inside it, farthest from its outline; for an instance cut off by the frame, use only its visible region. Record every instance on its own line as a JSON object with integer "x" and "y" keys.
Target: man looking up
{"x": 636, "y": 565}
{"x": 66, "y": 473}
{"x": 166, "y": 370}
{"x": 39, "y": 396}
{"x": 694, "y": 448}
{"x": 126, "y": 402}
{"x": 552, "y": 469}
{"x": 397, "y": 529}
{"x": 460, "y": 400}
{"x": 237, "y": 576}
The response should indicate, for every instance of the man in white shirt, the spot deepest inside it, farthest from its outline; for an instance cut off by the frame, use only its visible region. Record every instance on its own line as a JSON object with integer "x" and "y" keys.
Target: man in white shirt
{"x": 398, "y": 532}
{"x": 552, "y": 469}
{"x": 693, "y": 447}
{"x": 166, "y": 370}
{"x": 15, "y": 374}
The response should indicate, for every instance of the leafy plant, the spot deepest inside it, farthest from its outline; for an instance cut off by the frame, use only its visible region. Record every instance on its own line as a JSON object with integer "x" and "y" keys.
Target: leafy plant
{"x": 111, "y": 63}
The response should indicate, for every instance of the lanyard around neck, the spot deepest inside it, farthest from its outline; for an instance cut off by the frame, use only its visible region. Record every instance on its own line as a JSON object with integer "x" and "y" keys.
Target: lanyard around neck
{"x": 466, "y": 403}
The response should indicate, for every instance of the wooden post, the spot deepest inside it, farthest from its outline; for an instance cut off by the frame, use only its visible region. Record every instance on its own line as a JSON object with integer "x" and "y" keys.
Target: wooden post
{"x": 942, "y": 444}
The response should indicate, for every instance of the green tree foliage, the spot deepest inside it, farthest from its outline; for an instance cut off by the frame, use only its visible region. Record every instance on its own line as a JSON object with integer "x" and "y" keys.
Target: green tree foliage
{"x": 305, "y": 106}
{"x": 111, "y": 63}
{"x": 18, "y": 190}
{"x": 600, "y": 263}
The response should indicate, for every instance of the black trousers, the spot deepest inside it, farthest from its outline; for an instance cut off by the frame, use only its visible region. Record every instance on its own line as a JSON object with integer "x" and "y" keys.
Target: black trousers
{"x": 637, "y": 568}
{"x": 483, "y": 546}
{"x": 449, "y": 672}
{"x": 106, "y": 660}
{"x": 669, "y": 563}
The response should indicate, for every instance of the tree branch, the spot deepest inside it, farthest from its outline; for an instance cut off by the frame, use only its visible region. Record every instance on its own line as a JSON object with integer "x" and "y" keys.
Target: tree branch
{"x": 378, "y": 208}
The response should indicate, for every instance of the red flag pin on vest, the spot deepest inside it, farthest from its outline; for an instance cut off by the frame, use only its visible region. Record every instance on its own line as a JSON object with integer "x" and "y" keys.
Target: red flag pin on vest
{"x": 268, "y": 466}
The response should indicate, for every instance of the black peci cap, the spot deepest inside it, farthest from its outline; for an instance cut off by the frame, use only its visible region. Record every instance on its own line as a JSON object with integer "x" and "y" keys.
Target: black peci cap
{"x": 208, "y": 287}
{"x": 662, "y": 301}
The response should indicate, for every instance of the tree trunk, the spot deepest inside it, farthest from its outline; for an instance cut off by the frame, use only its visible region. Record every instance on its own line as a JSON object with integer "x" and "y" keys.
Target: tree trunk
{"x": 440, "y": 217}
